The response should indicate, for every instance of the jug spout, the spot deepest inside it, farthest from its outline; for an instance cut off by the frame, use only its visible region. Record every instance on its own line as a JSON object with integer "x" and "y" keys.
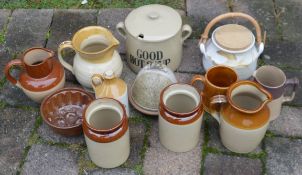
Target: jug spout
{"x": 38, "y": 62}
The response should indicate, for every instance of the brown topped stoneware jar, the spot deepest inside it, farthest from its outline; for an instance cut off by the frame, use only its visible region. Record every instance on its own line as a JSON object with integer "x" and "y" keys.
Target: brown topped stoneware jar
{"x": 41, "y": 73}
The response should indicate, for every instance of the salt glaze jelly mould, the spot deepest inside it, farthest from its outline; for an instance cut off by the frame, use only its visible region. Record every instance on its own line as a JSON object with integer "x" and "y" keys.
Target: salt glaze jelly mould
{"x": 180, "y": 117}
{"x": 96, "y": 61}
{"x": 232, "y": 45}
{"x": 243, "y": 116}
{"x": 274, "y": 81}
{"x": 108, "y": 85}
{"x": 109, "y": 143}
{"x": 154, "y": 33}
{"x": 41, "y": 73}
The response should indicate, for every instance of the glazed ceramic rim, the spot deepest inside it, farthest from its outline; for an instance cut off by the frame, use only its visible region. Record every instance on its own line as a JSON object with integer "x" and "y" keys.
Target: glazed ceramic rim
{"x": 182, "y": 114}
{"x": 116, "y": 127}
{"x": 232, "y": 51}
{"x": 275, "y": 68}
{"x": 52, "y": 55}
{"x": 58, "y": 92}
{"x": 246, "y": 82}
{"x": 216, "y": 67}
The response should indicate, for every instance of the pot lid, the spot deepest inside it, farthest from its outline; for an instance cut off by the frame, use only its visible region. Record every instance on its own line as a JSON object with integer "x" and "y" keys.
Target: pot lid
{"x": 150, "y": 81}
{"x": 234, "y": 37}
{"x": 153, "y": 22}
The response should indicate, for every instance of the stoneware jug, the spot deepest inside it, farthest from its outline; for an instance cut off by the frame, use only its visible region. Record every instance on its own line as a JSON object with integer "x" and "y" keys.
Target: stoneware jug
{"x": 41, "y": 73}
{"x": 180, "y": 117}
{"x": 106, "y": 131}
{"x": 232, "y": 45}
{"x": 243, "y": 116}
{"x": 95, "y": 53}
{"x": 108, "y": 85}
{"x": 154, "y": 33}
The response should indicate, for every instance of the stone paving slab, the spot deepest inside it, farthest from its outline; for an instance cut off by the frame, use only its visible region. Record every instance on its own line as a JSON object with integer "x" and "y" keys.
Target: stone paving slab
{"x": 200, "y": 12}
{"x": 288, "y": 123}
{"x": 290, "y": 19}
{"x": 4, "y": 59}
{"x": 284, "y": 156}
{"x": 4, "y": 14}
{"x": 28, "y": 28}
{"x": 214, "y": 137}
{"x": 109, "y": 18}
{"x": 159, "y": 160}
{"x": 262, "y": 11}
{"x": 192, "y": 58}
{"x": 216, "y": 164}
{"x": 283, "y": 53}
{"x": 15, "y": 128}
{"x": 44, "y": 159}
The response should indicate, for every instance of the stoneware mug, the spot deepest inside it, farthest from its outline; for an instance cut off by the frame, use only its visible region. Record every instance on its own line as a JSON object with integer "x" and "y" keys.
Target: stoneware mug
{"x": 243, "y": 116}
{"x": 216, "y": 82}
{"x": 180, "y": 117}
{"x": 274, "y": 80}
{"x": 106, "y": 132}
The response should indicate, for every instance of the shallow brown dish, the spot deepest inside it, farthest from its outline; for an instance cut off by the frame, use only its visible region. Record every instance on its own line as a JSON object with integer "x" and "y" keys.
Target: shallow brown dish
{"x": 62, "y": 110}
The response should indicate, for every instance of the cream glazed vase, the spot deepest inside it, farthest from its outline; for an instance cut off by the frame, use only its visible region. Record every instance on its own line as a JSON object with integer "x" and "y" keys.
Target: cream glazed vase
{"x": 95, "y": 53}
{"x": 243, "y": 117}
{"x": 232, "y": 45}
{"x": 106, "y": 132}
{"x": 154, "y": 34}
{"x": 180, "y": 120}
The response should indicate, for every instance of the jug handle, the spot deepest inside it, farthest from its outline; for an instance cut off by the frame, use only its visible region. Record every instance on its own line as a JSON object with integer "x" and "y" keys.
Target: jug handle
{"x": 294, "y": 82}
{"x": 9, "y": 65}
{"x": 186, "y": 32}
{"x": 120, "y": 27}
{"x": 198, "y": 78}
{"x": 64, "y": 45}
{"x": 217, "y": 99}
{"x": 96, "y": 80}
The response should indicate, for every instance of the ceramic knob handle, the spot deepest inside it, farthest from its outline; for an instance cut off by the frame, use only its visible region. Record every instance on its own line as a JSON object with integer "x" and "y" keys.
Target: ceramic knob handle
{"x": 153, "y": 15}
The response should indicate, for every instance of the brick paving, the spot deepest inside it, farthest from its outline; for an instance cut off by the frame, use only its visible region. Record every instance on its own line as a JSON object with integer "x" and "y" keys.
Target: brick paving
{"x": 28, "y": 146}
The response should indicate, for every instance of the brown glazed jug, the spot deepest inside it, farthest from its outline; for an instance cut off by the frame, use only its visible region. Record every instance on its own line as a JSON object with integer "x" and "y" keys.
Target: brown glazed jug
{"x": 41, "y": 74}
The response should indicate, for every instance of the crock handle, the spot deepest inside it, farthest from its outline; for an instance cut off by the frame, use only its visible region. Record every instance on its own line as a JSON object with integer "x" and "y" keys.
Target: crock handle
{"x": 205, "y": 34}
{"x": 198, "y": 78}
{"x": 186, "y": 32}
{"x": 62, "y": 46}
{"x": 293, "y": 82}
{"x": 215, "y": 100}
{"x": 9, "y": 65}
{"x": 120, "y": 27}
{"x": 96, "y": 80}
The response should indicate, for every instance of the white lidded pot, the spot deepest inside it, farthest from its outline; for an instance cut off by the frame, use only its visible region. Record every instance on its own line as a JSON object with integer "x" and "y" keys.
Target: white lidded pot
{"x": 232, "y": 45}
{"x": 154, "y": 33}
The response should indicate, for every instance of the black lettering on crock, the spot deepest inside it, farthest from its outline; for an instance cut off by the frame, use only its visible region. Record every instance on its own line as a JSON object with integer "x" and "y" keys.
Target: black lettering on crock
{"x": 144, "y": 57}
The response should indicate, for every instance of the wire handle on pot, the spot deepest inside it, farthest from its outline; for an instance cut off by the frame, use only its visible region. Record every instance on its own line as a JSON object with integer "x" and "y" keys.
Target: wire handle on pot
{"x": 205, "y": 35}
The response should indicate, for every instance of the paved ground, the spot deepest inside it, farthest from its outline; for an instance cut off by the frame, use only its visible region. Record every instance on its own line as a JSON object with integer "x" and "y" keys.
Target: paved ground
{"x": 28, "y": 146}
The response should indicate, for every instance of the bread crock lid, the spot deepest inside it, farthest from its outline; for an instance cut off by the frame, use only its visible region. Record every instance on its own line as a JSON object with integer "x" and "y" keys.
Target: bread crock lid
{"x": 153, "y": 22}
{"x": 233, "y": 37}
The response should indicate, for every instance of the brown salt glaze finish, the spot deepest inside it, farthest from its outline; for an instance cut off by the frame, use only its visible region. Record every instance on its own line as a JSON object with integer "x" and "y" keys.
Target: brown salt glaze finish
{"x": 44, "y": 75}
{"x": 176, "y": 117}
{"x": 106, "y": 135}
{"x": 243, "y": 118}
{"x": 63, "y": 110}
{"x": 216, "y": 82}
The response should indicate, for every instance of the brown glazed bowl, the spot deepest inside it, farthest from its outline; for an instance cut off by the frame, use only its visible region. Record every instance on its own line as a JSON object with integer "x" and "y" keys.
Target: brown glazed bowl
{"x": 63, "y": 110}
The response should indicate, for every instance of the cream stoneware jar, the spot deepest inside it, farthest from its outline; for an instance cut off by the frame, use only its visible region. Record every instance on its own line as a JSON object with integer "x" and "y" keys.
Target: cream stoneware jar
{"x": 108, "y": 85}
{"x": 95, "y": 53}
{"x": 154, "y": 33}
{"x": 106, "y": 131}
{"x": 180, "y": 117}
{"x": 232, "y": 45}
{"x": 243, "y": 117}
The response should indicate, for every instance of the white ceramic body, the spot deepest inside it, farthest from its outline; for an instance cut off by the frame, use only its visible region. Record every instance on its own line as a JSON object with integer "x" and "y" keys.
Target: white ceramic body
{"x": 109, "y": 155}
{"x": 124, "y": 100}
{"x": 275, "y": 107}
{"x": 39, "y": 96}
{"x": 179, "y": 138}
{"x": 246, "y": 67}
{"x": 83, "y": 69}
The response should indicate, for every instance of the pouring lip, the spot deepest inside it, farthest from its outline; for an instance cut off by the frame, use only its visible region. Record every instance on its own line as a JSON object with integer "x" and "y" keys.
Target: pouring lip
{"x": 51, "y": 55}
{"x": 247, "y": 82}
{"x": 114, "y": 42}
